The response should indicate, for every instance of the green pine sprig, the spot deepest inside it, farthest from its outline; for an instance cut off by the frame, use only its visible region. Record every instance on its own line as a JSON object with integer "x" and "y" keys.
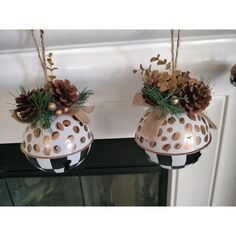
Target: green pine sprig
{"x": 84, "y": 96}
{"x": 41, "y": 99}
{"x": 163, "y": 101}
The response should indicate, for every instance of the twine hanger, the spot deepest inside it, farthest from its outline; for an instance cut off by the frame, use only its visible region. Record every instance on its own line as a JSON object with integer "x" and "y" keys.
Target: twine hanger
{"x": 174, "y": 56}
{"x": 42, "y": 56}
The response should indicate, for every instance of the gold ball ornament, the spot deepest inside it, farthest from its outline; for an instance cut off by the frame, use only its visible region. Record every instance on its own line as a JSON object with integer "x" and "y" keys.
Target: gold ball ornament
{"x": 52, "y": 106}
{"x": 174, "y": 100}
{"x": 59, "y": 112}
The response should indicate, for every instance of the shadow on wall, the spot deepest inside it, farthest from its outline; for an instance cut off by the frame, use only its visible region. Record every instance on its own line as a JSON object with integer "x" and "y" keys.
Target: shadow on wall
{"x": 208, "y": 69}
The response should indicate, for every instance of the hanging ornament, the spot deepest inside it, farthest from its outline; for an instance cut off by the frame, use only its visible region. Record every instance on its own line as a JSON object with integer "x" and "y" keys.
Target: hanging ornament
{"x": 58, "y": 137}
{"x": 174, "y": 129}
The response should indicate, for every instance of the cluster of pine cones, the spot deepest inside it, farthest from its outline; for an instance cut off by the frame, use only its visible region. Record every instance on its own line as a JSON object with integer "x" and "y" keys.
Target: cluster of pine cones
{"x": 64, "y": 95}
{"x": 194, "y": 95}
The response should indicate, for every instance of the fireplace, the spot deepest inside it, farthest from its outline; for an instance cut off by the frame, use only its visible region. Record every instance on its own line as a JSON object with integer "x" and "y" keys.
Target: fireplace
{"x": 115, "y": 173}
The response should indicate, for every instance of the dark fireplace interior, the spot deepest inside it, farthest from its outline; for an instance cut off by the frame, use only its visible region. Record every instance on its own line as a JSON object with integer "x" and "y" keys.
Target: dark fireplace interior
{"x": 115, "y": 173}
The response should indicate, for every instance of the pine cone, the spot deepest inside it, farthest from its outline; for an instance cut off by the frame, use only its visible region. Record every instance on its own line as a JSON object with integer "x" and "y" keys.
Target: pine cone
{"x": 64, "y": 94}
{"x": 196, "y": 94}
{"x": 27, "y": 111}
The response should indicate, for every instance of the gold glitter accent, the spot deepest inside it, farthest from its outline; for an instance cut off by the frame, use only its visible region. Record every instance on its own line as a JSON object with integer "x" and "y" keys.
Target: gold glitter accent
{"x": 47, "y": 151}
{"x": 46, "y": 140}
{"x": 181, "y": 120}
{"x": 59, "y": 126}
{"x": 176, "y": 136}
{"x": 56, "y": 149}
{"x": 178, "y": 146}
{"x": 152, "y": 144}
{"x": 160, "y": 131}
{"x": 203, "y": 130}
{"x": 170, "y": 129}
{"x": 188, "y": 128}
{"x": 163, "y": 138}
{"x": 66, "y": 123}
{"x": 198, "y": 140}
{"x": 196, "y": 127}
{"x": 29, "y": 136}
{"x": 83, "y": 139}
{"x": 36, "y": 148}
{"x": 37, "y": 132}
{"x": 166, "y": 147}
{"x": 29, "y": 148}
{"x": 55, "y": 135}
{"x": 171, "y": 120}
{"x": 76, "y": 129}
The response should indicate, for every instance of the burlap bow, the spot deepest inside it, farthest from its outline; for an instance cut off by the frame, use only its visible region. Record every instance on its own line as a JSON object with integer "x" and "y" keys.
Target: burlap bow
{"x": 80, "y": 113}
{"x": 155, "y": 117}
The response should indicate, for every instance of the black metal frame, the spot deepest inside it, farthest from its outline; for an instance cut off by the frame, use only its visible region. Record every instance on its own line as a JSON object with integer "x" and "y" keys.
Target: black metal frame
{"x": 107, "y": 156}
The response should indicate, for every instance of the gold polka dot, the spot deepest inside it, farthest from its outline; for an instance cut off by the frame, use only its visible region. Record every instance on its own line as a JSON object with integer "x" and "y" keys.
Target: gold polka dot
{"x": 86, "y": 128}
{"x": 47, "y": 151}
{"x": 56, "y": 149}
{"x": 177, "y": 146}
{"x": 29, "y": 148}
{"x": 188, "y": 128}
{"x": 46, "y": 140}
{"x": 83, "y": 139}
{"x": 141, "y": 139}
{"x": 166, "y": 147}
{"x": 76, "y": 129}
{"x": 71, "y": 138}
{"x": 81, "y": 124}
{"x": 160, "y": 131}
{"x": 176, "y": 136}
{"x": 29, "y": 136}
{"x": 163, "y": 138}
{"x": 196, "y": 127}
{"x": 206, "y": 138}
{"x": 152, "y": 144}
{"x": 139, "y": 128}
{"x": 59, "y": 126}
{"x": 37, "y": 132}
{"x": 203, "y": 130}
{"x": 198, "y": 140}
{"x": 170, "y": 129}
{"x": 36, "y": 148}
{"x": 141, "y": 120}
{"x": 66, "y": 123}
{"x": 164, "y": 122}
{"x": 89, "y": 136}
{"x": 171, "y": 120}
{"x": 192, "y": 117}
{"x": 55, "y": 135}
{"x": 181, "y": 120}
